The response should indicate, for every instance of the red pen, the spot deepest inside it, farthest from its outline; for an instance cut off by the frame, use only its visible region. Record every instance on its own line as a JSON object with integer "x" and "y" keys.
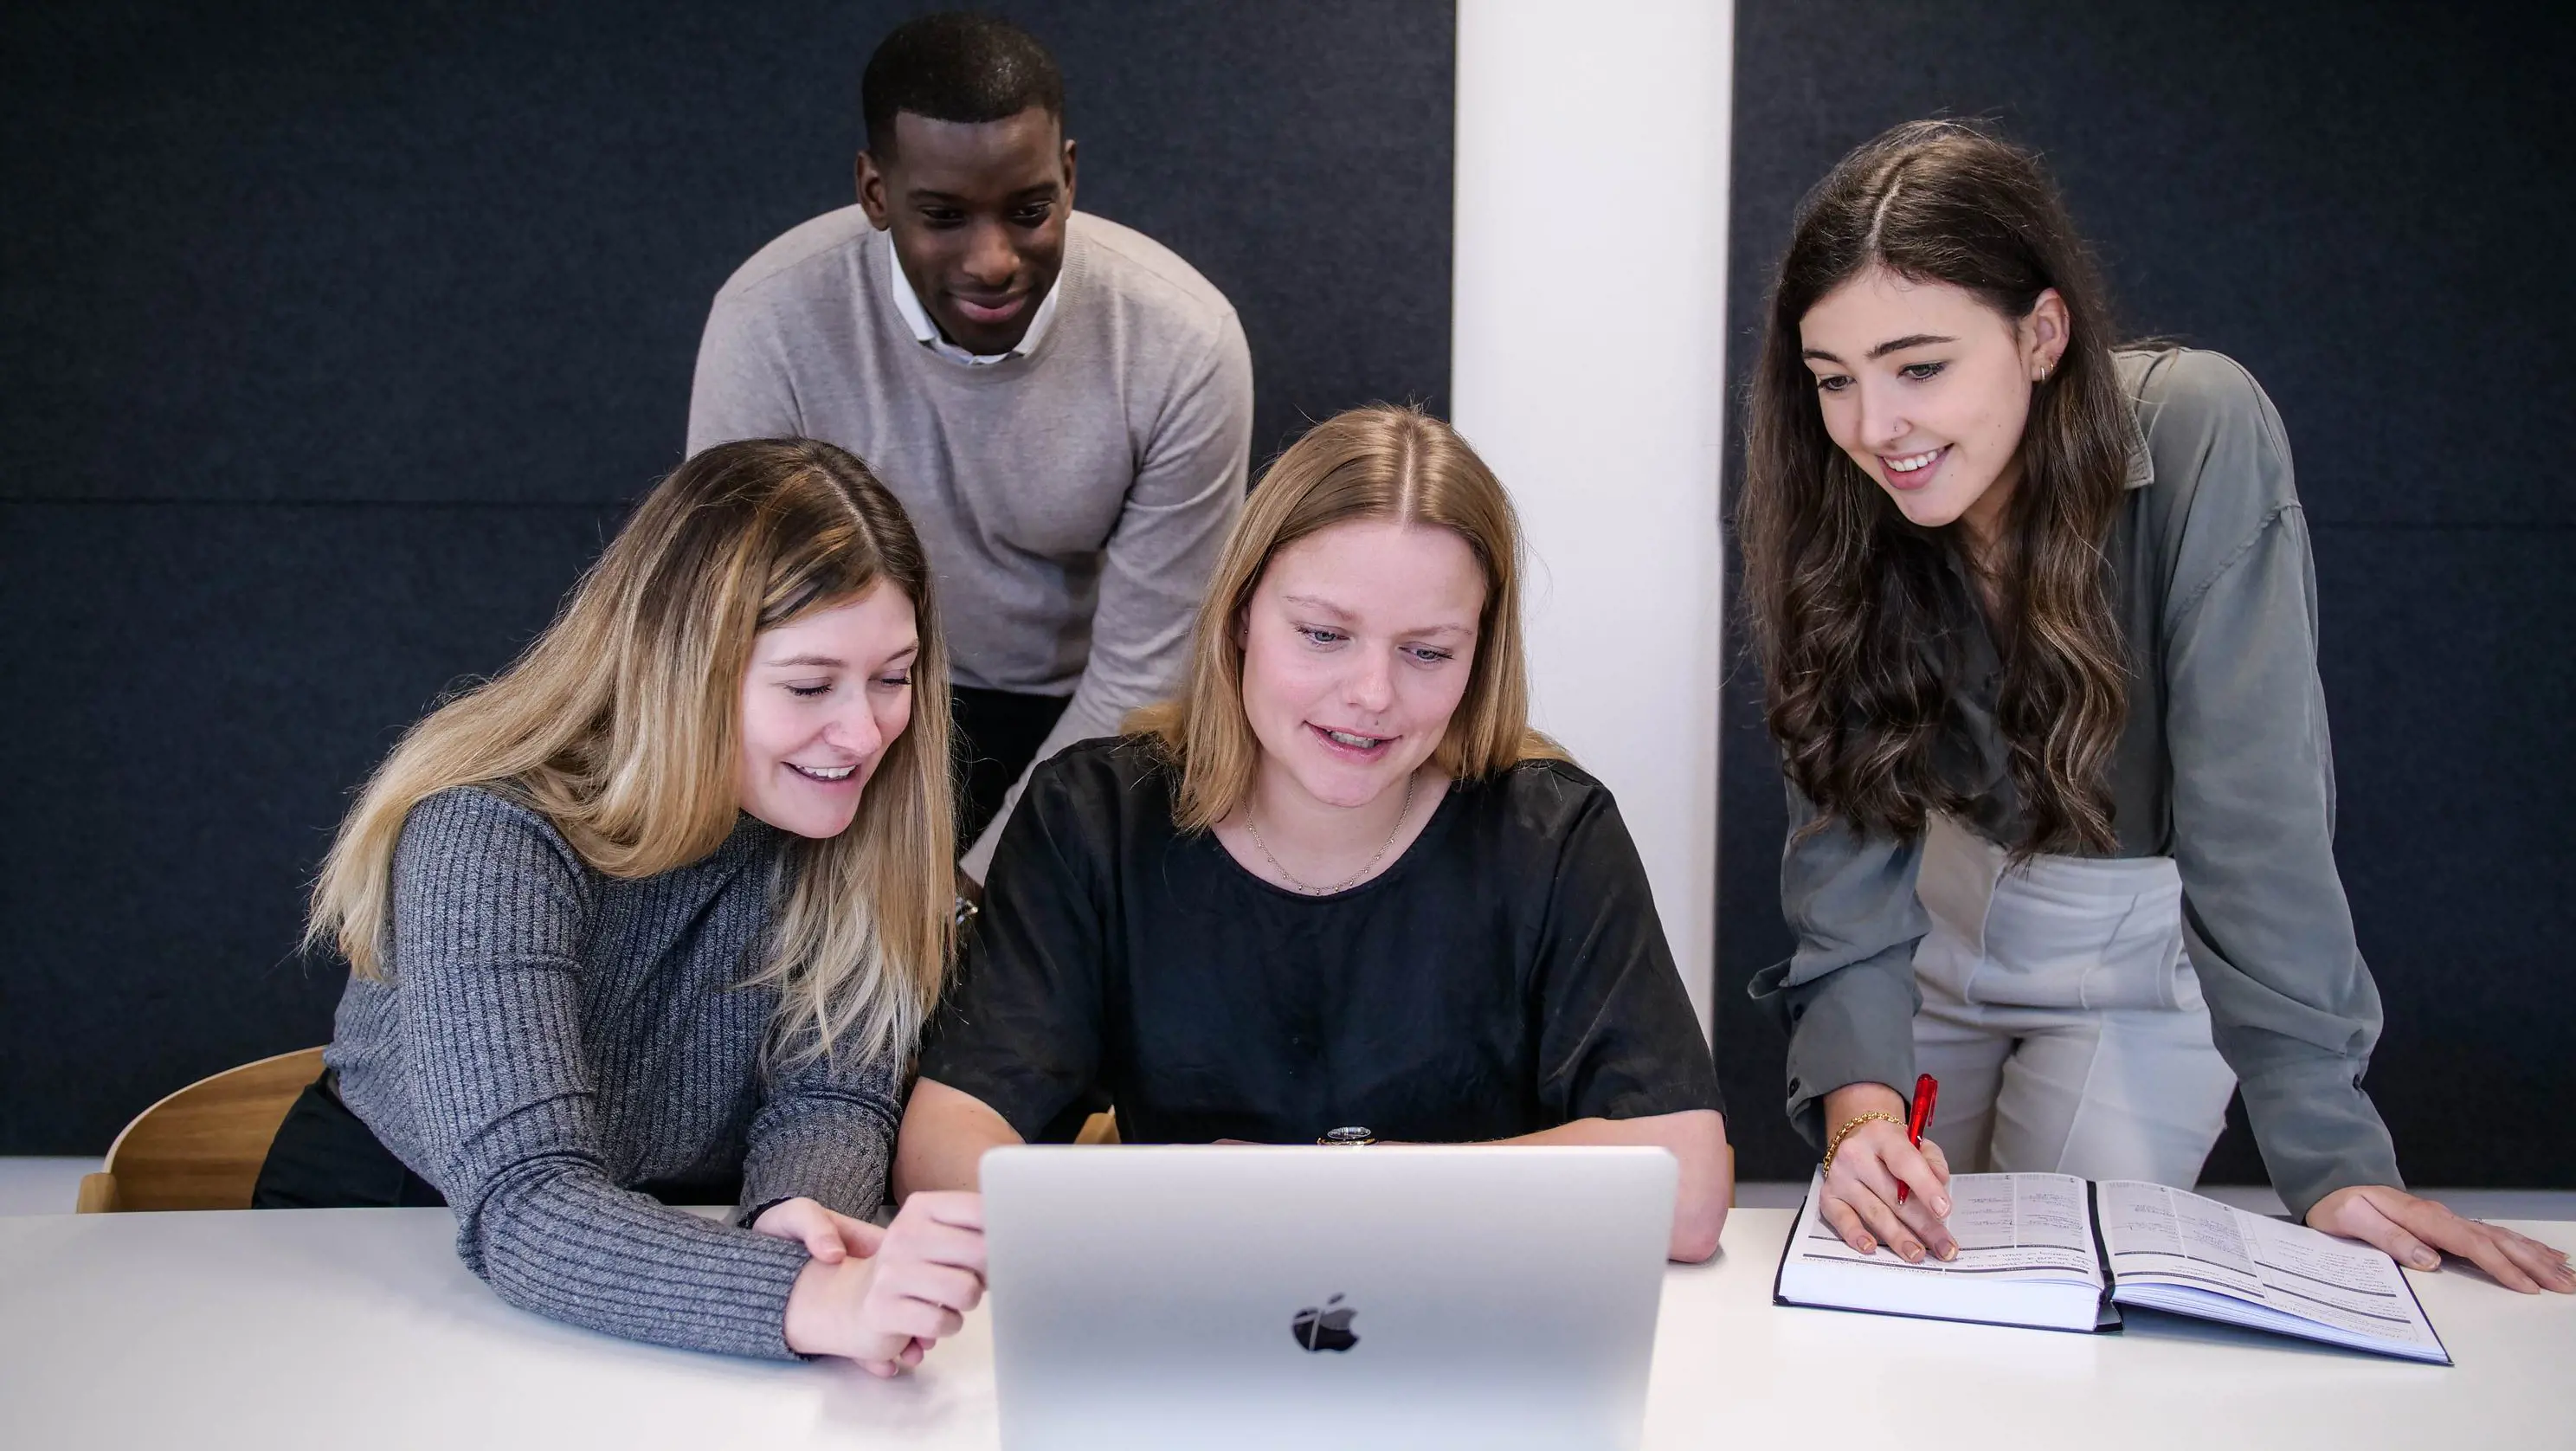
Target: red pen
{"x": 1926, "y": 1089}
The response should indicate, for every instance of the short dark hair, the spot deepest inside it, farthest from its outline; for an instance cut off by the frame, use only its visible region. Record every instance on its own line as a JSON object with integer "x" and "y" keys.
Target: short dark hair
{"x": 956, "y": 67}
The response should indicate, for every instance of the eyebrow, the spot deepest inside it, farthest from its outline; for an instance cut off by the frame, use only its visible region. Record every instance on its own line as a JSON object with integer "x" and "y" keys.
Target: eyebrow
{"x": 834, "y": 662}
{"x": 1327, "y": 607}
{"x": 1311, "y": 602}
{"x": 1030, "y": 192}
{"x": 1892, "y": 345}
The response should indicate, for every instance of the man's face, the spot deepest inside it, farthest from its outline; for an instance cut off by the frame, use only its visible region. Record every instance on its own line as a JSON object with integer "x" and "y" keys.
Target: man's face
{"x": 977, "y": 211}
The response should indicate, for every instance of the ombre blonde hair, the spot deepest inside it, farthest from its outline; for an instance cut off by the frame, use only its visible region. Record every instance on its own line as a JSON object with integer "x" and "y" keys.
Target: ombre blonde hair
{"x": 1382, "y": 462}
{"x": 621, "y": 725}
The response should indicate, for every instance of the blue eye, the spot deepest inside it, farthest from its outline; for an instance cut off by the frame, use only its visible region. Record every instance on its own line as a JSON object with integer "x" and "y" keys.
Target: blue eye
{"x": 1321, "y": 636}
{"x": 808, "y": 692}
{"x": 1429, "y": 656}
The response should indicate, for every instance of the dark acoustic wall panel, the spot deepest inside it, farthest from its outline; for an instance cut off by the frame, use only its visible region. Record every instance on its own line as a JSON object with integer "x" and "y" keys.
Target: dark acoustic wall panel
{"x": 2365, "y": 205}
{"x": 334, "y": 340}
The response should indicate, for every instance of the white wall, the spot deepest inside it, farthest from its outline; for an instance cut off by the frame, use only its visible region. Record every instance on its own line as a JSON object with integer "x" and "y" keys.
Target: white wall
{"x": 1586, "y": 354}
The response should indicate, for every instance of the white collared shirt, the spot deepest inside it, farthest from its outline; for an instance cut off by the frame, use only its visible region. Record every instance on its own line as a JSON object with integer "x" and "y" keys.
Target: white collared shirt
{"x": 907, "y": 302}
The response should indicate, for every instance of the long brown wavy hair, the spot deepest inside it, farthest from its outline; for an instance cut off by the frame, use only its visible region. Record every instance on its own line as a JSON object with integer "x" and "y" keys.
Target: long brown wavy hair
{"x": 1384, "y": 462}
{"x": 1849, "y": 600}
{"x": 621, "y": 725}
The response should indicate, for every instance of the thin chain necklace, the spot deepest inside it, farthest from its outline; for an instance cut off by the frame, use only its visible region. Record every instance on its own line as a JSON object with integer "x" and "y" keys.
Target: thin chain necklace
{"x": 1401, "y": 813}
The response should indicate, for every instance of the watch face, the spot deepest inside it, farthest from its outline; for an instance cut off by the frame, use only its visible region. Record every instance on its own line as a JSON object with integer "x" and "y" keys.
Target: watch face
{"x": 1348, "y": 1136}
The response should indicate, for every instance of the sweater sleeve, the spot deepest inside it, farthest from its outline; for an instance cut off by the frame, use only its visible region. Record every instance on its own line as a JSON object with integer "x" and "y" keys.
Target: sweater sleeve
{"x": 1616, "y": 1033}
{"x": 2292, "y": 1004}
{"x": 825, "y": 1131}
{"x": 489, "y": 917}
{"x": 1189, "y": 487}
{"x": 1846, "y": 996}
{"x": 743, "y": 387}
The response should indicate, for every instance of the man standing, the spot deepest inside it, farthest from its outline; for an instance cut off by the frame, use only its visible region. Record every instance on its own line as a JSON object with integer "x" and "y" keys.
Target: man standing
{"x": 1063, "y": 406}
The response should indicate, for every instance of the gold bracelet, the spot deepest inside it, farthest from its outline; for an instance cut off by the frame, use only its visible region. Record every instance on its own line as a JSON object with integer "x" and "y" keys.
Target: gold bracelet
{"x": 1835, "y": 1146}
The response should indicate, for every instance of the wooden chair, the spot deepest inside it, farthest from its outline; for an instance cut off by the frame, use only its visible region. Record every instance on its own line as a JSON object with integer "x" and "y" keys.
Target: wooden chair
{"x": 201, "y": 1147}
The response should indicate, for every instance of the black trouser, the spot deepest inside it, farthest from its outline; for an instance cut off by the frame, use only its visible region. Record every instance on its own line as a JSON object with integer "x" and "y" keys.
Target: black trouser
{"x": 998, "y": 733}
{"x": 325, "y": 1157}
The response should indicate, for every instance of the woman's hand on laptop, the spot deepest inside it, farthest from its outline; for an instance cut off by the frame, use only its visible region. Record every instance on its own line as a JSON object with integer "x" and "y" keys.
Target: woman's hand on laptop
{"x": 881, "y": 1297}
{"x": 1860, "y": 1186}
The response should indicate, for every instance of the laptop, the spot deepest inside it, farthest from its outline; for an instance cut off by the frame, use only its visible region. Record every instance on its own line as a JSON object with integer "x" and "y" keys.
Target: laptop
{"x": 1325, "y": 1299}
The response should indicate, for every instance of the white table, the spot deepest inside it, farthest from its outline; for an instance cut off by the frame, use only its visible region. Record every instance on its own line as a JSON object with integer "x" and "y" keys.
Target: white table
{"x": 334, "y": 1328}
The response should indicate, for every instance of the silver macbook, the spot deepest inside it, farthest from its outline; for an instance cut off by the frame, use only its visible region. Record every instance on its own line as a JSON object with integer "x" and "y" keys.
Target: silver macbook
{"x": 1234, "y": 1299}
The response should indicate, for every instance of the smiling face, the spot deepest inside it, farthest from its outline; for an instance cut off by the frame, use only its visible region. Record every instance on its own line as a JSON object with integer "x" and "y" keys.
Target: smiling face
{"x": 977, "y": 211}
{"x": 1927, "y": 388}
{"x": 823, "y": 699}
{"x": 1357, "y": 646}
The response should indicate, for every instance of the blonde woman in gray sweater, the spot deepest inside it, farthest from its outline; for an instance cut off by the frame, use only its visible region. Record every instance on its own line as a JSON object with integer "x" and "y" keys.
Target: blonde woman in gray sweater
{"x": 655, "y": 916}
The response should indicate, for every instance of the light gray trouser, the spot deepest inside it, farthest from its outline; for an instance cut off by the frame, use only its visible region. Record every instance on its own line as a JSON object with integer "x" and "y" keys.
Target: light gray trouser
{"x": 2061, "y": 1016}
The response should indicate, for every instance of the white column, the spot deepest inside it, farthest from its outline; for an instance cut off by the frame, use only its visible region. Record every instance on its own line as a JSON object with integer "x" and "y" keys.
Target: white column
{"x": 1586, "y": 355}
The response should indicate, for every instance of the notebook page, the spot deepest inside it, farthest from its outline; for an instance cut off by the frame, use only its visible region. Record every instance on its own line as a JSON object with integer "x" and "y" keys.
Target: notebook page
{"x": 2013, "y": 1226}
{"x": 2161, "y": 1236}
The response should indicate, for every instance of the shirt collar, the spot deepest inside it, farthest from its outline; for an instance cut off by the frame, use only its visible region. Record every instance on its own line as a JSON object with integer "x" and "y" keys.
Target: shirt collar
{"x": 915, "y": 317}
{"x": 2142, "y": 464}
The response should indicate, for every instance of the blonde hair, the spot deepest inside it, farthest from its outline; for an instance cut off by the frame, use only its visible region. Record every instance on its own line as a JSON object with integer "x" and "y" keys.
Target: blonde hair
{"x": 621, "y": 726}
{"x": 1382, "y": 462}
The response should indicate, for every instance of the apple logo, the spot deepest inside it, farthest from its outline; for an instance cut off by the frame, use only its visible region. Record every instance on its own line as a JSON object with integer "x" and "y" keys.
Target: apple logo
{"x": 1325, "y": 1327}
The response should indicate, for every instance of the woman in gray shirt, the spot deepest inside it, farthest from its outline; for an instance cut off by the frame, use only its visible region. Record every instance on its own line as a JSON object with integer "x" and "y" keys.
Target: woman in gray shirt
{"x": 2038, "y": 620}
{"x": 656, "y": 915}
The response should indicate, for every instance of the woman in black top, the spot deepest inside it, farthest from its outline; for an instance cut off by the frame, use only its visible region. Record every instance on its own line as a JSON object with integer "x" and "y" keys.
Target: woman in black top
{"x": 1338, "y": 883}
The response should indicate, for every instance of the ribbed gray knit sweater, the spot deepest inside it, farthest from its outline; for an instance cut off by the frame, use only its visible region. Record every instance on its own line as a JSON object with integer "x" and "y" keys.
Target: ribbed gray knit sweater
{"x": 549, "y": 1036}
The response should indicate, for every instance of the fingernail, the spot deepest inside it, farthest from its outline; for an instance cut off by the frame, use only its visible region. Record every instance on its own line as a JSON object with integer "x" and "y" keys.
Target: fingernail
{"x": 1941, "y": 1207}
{"x": 1869, "y": 1246}
{"x": 1949, "y": 1252}
{"x": 1911, "y": 1250}
{"x": 2427, "y": 1260}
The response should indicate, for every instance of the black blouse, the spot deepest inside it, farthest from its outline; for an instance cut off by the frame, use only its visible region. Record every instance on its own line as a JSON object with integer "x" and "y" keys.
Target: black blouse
{"x": 1506, "y": 974}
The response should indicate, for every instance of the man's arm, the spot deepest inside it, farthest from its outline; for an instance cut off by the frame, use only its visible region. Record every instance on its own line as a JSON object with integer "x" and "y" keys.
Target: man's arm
{"x": 1187, "y": 492}
{"x": 743, "y": 388}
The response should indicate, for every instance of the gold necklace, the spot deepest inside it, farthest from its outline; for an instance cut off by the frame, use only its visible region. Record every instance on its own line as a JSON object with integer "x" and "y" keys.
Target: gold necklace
{"x": 1401, "y": 812}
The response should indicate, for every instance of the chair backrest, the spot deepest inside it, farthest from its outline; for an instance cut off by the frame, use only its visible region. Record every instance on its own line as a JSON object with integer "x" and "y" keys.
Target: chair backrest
{"x": 201, "y": 1147}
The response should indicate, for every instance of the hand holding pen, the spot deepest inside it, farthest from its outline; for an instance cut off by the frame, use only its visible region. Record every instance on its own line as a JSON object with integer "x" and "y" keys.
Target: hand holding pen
{"x": 1883, "y": 1184}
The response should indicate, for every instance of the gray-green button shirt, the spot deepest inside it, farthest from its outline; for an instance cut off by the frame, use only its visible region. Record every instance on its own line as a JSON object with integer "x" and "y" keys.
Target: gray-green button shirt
{"x": 2224, "y": 766}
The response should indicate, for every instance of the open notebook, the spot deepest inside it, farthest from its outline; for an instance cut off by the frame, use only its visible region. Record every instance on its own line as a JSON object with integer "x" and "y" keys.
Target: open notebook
{"x": 2058, "y": 1253}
